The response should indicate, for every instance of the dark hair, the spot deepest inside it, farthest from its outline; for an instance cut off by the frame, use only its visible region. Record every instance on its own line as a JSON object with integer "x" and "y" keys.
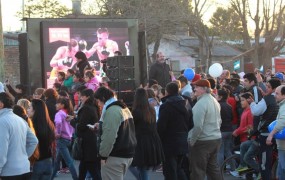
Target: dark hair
{"x": 22, "y": 87}
{"x": 250, "y": 77}
{"x": 119, "y": 53}
{"x": 212, "y": 83}
{"x": 43, "y": 125}
{"x": 91, "y": 100}
{"x": 104, "y": 94}
{"x": 172, "y": 88}
{"x": 235, "y": 82}
{"x": 141, "y": 107}
{"x": 182, "y": 71}
{"x": 57, "y": 85}
{"x": 62, "y": 74}
{"x": 274, "y": 82}
{"x": 63, "y": 88}
{"x": 246, "y": 95}
{"x": 90, "y": 94}
{"x": 51, "y": 94}
{"x": 162, "y": 91}
{"x": 20, "y": 111}
{"x": 78, "y": 75}
{"x": 229, "y": 89}
{"x": 233, "y": 75}
{"x": 71, "y": 71}
{"x": 6, "y": 100}
{"x": 152, "y": 82}
{"x": 63, "y": 94}
{"x": 81, "y": 55}
{"x": 183, "y": 79}
{"x": 67, "y": 104}
{"x": 81, "y": 88}
{"x": 223, "y": 94}
{"x": 89, "y": 74}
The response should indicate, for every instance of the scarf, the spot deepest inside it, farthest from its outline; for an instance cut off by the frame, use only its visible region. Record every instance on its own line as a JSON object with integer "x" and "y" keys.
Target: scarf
{"x": 107, "y": 103}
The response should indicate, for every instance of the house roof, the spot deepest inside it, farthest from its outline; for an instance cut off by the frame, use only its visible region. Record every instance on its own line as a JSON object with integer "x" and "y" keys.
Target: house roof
{"x": 219, "y": 48}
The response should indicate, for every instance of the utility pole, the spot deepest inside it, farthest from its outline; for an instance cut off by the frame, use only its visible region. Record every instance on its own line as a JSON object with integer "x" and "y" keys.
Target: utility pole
{"x": 1, "y": 48}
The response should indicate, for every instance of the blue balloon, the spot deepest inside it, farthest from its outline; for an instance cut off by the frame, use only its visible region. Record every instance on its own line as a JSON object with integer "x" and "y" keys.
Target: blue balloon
{"x": 189, "y": 73}
{"x": 280, "y": 134}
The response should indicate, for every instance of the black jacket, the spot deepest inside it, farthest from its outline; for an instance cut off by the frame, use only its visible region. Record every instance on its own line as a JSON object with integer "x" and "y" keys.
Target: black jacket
{"x": 126, "y": 142}
{"x": 160, "y": 72}
{"x": 227, "y": 116}
{"x": 81, "y": 66}
{"x": 50, "y": 103}
{"x": 173, "y": 125}
{"x": 87, "y": 115}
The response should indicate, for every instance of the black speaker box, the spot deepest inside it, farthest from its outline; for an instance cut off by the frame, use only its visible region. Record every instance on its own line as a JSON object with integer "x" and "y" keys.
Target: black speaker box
{"x": 122, "y": 73}
{"x": 124, "y": 85}
{"x": 120, "y": 61}
{"x": 127, "y": 97}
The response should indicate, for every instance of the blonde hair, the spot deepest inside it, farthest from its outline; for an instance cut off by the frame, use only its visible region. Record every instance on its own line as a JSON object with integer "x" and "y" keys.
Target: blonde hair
{"x": 24, "y": 103}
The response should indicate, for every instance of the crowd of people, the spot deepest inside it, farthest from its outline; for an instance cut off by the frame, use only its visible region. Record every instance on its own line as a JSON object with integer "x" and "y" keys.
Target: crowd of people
{"x": 185, "y": 128}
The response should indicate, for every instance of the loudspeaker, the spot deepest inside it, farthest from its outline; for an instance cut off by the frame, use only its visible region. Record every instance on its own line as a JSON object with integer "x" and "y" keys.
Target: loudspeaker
{"x": 122, "y": 73}
{"x": 122, "y": 85}
{"x": 126, "y": 97}
{"x": 120, "y": 61}
{"x": 23, "y": 57}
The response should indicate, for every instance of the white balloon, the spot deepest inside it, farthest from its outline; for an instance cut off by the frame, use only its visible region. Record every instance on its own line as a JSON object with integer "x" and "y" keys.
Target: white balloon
{"x": 216, "y": 70}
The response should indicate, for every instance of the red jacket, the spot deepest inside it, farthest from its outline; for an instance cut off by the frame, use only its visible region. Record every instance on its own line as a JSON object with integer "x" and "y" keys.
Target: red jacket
{"x": 233, "y": 103}
{"x": 245, "y": 122}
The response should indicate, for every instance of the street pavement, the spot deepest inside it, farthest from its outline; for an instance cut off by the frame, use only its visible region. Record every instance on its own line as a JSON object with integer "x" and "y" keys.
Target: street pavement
{"x": 153, "y": 175}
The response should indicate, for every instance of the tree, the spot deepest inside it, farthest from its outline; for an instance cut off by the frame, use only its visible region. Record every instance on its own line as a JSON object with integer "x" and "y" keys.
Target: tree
{"x": 268, "y": 19}
{"x": 155, "y": 17}
{"x": 44, "y": 9}
{"x": 226, "y": 24}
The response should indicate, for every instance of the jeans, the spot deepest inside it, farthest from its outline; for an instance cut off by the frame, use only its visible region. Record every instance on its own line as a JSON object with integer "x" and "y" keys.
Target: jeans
{"x": 63, "y": 152}
{"x": 265, "y": 158}
{"x": 140, "y": 173}
{"x": 172, "y": 168}
{"x": 225, "y": 149}
{"x": 281, "y": 164}
{"x": 42, "y": 169}
{"x": 248, "y": 151}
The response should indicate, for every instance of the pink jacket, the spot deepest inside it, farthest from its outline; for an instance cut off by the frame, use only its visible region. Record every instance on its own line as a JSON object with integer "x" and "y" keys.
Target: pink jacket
{"x": 63, "y": 127}
{"x": 93, "y": 83}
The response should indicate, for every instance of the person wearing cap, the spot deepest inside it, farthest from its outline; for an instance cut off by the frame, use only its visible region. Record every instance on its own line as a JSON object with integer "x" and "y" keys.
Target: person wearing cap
{"x": 280, "y": 76}
{"x": 205, "y": 137}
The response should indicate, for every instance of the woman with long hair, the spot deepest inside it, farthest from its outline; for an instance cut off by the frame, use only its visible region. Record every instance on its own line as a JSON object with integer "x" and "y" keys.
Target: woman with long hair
{"x": 63, "y": 133}
{"x": 88, "y": 114}
{"x": 149, "y": 152}
{"x": 44, "y": 129}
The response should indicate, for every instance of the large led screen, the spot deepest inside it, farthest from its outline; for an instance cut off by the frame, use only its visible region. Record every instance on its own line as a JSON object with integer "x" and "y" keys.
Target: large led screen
{"x": 98, "y": 40}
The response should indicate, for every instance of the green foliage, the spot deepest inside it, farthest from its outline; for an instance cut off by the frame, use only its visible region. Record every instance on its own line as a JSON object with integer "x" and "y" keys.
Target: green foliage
{"x": 226, "y": 24}
{"x": 44, "y": 9}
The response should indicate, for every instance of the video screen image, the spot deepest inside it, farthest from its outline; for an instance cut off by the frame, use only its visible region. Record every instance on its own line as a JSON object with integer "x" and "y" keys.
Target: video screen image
{"x": 61, "y": 41}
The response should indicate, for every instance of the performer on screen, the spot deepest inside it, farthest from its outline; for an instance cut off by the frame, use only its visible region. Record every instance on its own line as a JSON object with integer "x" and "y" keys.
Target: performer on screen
{"x": 64, "y": 58}
{"x": 105, "y": 47}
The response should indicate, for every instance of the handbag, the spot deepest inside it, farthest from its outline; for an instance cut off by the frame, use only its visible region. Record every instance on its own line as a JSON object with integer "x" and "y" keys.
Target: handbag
{"x": 76, "y": 151}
